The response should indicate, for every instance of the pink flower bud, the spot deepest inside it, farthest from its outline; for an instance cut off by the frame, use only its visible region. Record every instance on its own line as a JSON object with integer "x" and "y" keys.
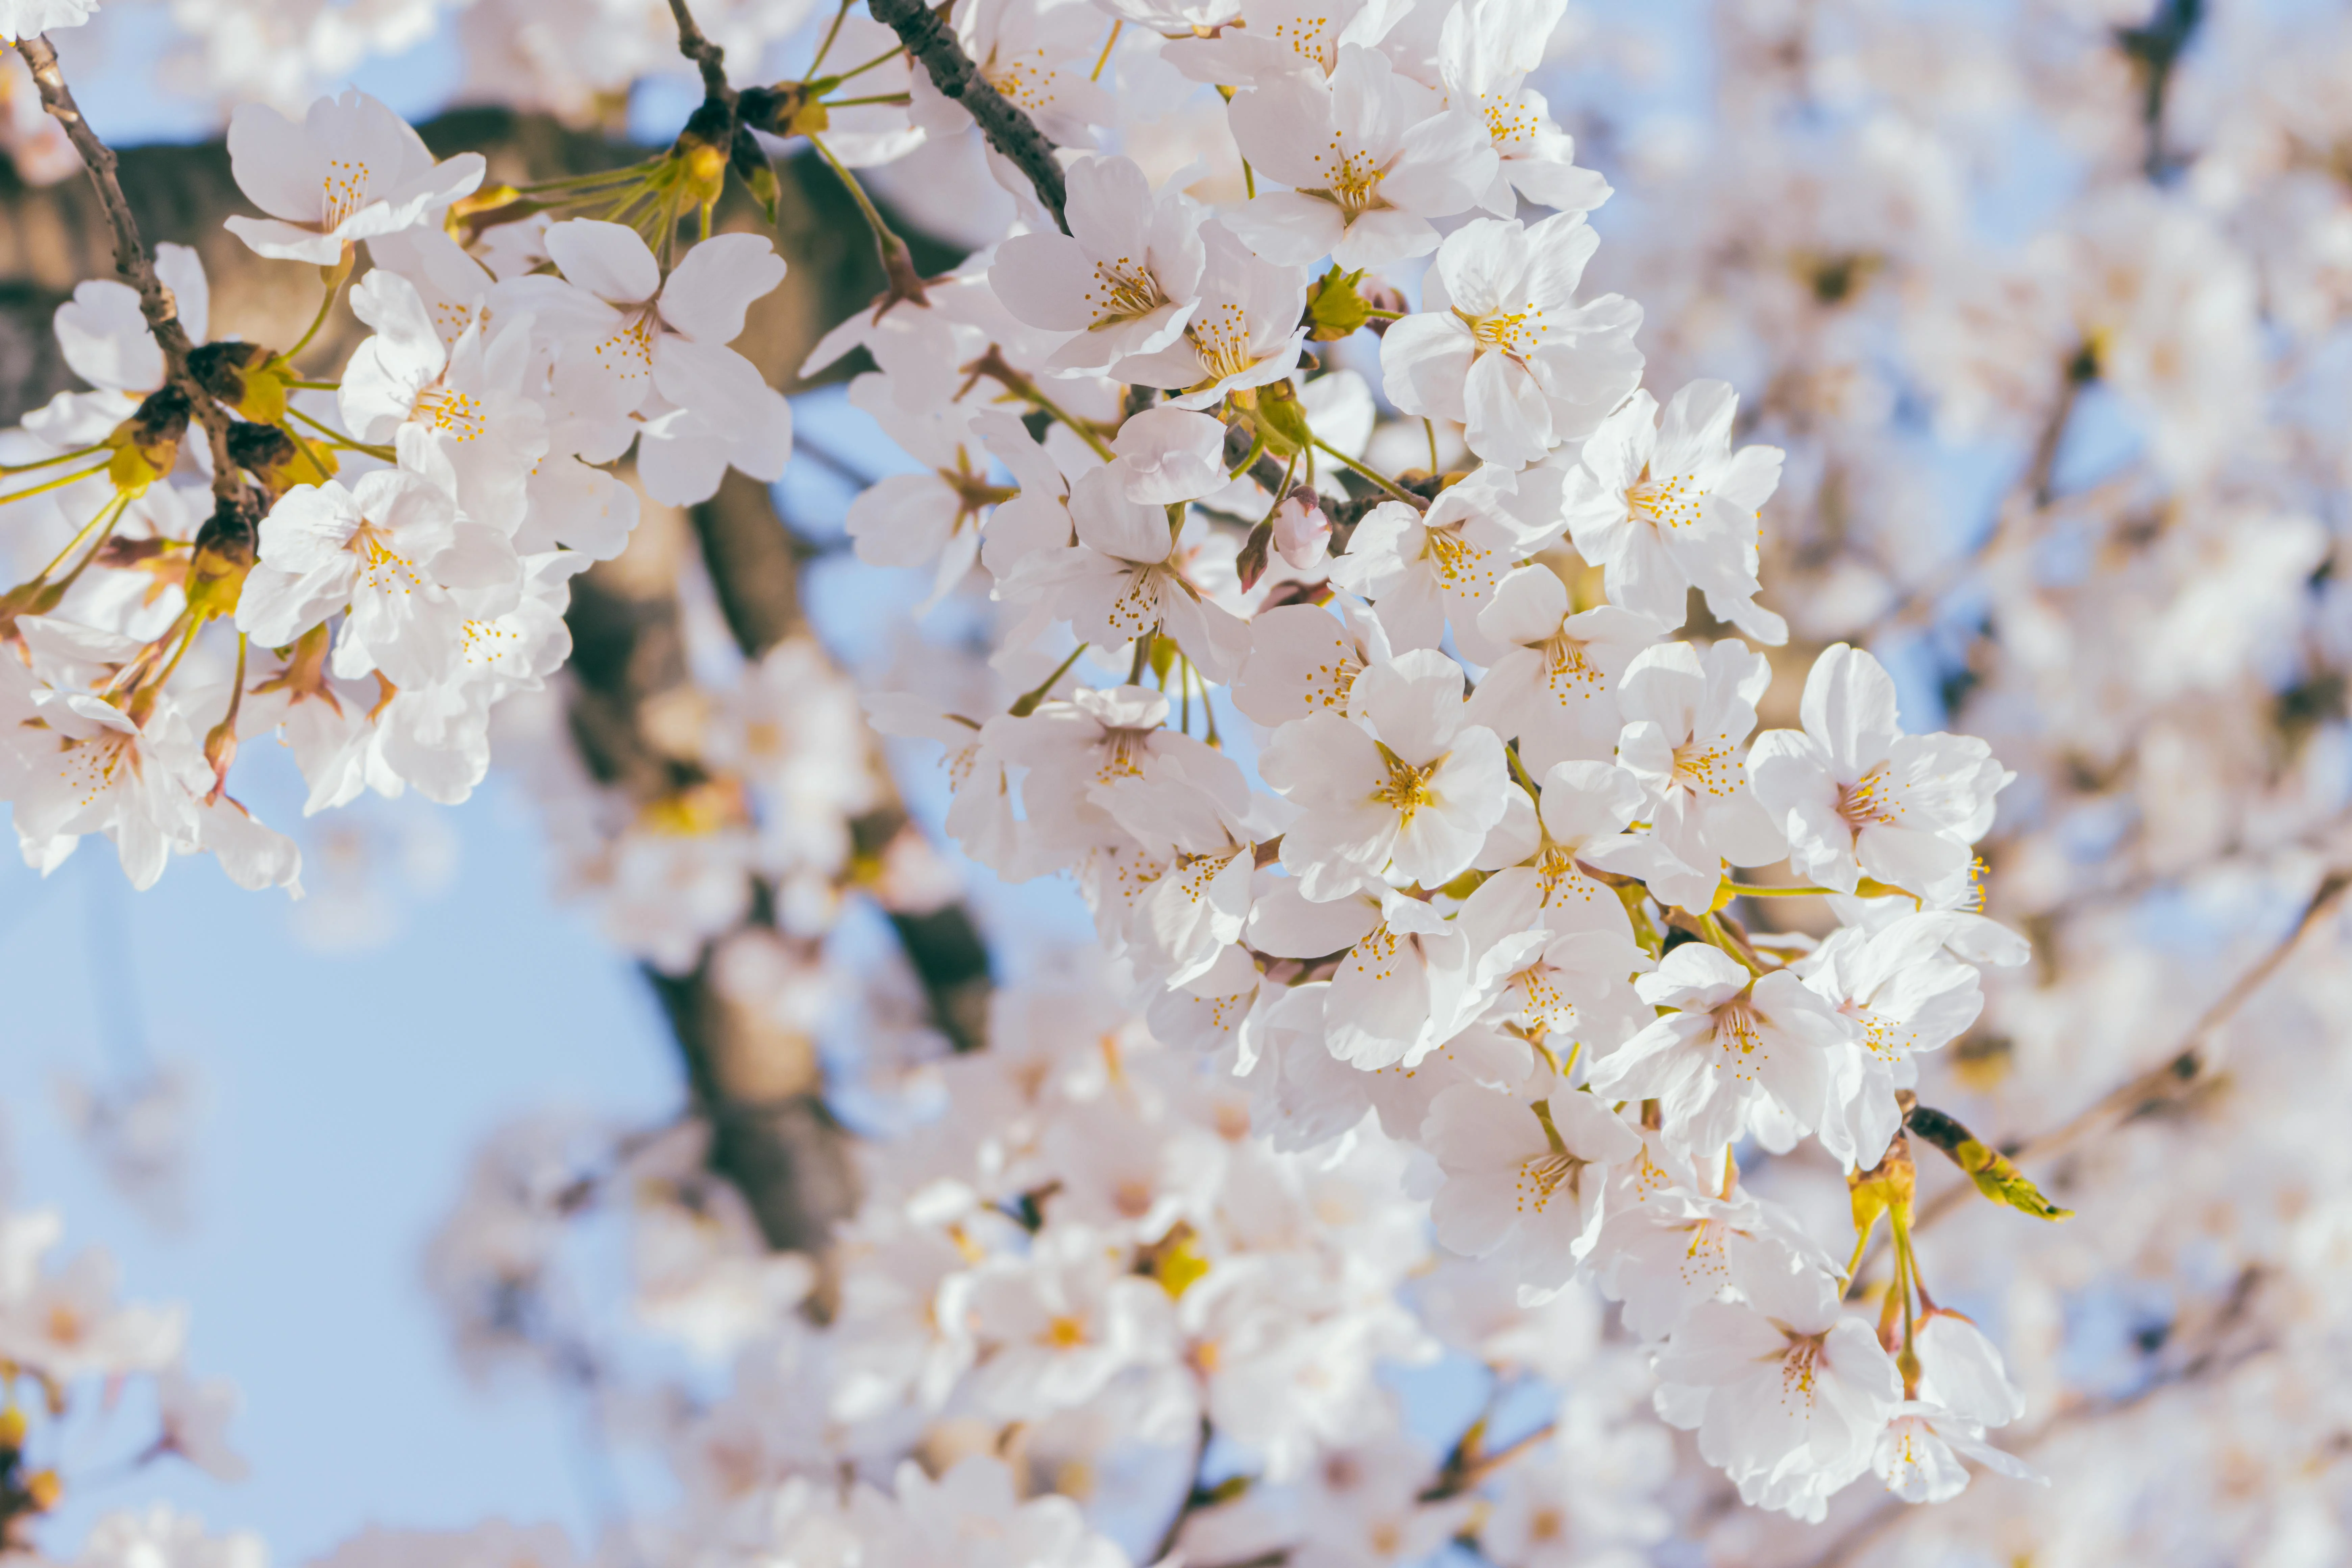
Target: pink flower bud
{"x": 1301, "y": 531}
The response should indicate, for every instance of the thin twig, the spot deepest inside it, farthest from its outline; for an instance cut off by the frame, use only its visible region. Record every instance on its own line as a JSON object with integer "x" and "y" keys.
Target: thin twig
{"x": 137, "y": 265}
{"x": 707, "y": 57}
{"x": 2184, "y": 1068}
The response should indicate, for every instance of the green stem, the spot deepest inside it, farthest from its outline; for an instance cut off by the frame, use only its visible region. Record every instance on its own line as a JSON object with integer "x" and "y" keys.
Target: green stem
{"x": 869, "y": 65}
{"x": 894, "y": 98}
{"x": 106, "y": 514}
{"x": 1383, "y": 480}
{"x": 48, "y": 462}
{"x": 1743, "y": 890}
{"x": 334, "y": 280}
{"x": 1256, "y": 447}
{"x": 577, "y": 182}
{"x": 1027, "y": 703}
{"x": 824, "y": 47}
{"x": 1520, "y": 771}
{"x": 57, "y": 484}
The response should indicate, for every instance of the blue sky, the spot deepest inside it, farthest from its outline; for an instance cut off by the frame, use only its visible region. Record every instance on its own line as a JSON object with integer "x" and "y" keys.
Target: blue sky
{"x": 344, "y": 1093}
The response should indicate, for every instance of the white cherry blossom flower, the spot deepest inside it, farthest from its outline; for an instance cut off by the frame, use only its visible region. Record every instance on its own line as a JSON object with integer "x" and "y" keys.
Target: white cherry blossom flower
{"x": 1057, "y": 1326}
{"x": 389, "y": 550}
{"x": 1129, "y": 577}
{"x": 1125, "y": 279}
{"x": 352, "y": 170}
{"x": 1424, "y": 569}
{"x": 1245, "y": 332}
{"x": 1524, "y": 1175}
{"x": 1552, "y": 686}
{"x": 1663, "y": 504}
{"x": 626, "y": 331}
{"x": 1502, "y": 347}
{"x": 194, "y": 1418}
{"x": 1668, "y": 1248}
{"x": 1265, "y": 40}
{"x": 1905, "y": 996}
{"x": 1193, "y": 810}
{"x": 1733, "y": 1038}
{"x": 1035, "y": 52}
{"x": 1787, "y": 1392}
{"x": 1485, "y": 49}
{"x": 1413, "y": 982}
{"x": 465, "y": 398}
{"x": 1686, "y": 714}
{"x": 1372, "y": 156}
{"x": 1304, "y": 659}
{"x": 1418, "y": 791}
{"x": 1859, "y": 798}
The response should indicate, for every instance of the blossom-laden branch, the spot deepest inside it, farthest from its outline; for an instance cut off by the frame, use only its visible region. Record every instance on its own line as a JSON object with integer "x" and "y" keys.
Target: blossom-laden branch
{"x": 137, "y": 265}
{"x": 1008, "y": 129}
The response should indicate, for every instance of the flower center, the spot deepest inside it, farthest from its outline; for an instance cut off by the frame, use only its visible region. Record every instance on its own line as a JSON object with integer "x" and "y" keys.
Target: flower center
{"x": 1454, "y": 559}
{"x": 1352, "y": 181}
{"x": 1800, "y": 1366}
{"x": 342, "y": 192}
{"x": 1669, "y": 503}
{"x": 1543, "y": 1174}
{"x": 381, "y": 565}
{"x": 1740, "y": 1036}
{"x": 460, "y": 414}
{"x": 1220, "y": 336}
{"x": 1705, "y": 766}
{"x": 1566, "y": 663}
{"x": 1515, "y": 332}
{"x": 1122, "y": 291}
{"x": 1066, "y": 1333}
{"x": 1306, "y": 37}
{"x": 1864, "y": 801}
{"x": 1406, "y": 789}
{"x": 630, "y": 350}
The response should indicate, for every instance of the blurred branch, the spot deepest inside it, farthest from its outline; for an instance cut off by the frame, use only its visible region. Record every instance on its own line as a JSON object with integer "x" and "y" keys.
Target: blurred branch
{"x": 2183, "y": 1070}
{"x": 2154, "y": 48}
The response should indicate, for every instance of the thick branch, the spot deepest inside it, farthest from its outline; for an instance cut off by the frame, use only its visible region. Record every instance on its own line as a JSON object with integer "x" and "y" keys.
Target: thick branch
{"x": 1009, "y": 130}
{"x": 753, "y": 567}
{"x": 132, "y": 259}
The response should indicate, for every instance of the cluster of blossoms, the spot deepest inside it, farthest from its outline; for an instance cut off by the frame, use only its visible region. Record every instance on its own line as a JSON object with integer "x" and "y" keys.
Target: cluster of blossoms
{"x": 1336, "y": 571}
{"x": 1057, "y": 1294}
{"x": 424, "y": 514}
{"x": 69, "y": 1348}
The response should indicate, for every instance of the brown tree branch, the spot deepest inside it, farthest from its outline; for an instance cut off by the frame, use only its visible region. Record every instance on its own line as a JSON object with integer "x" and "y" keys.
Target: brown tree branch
{"x": 132, "y": 259}
{"x": 707, "y": 57}
{"x": 1008, "y": 129}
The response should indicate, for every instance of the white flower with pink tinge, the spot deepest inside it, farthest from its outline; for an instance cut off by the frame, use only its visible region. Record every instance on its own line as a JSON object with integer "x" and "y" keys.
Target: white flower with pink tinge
{"x": 1860, "y": 798}
{"x": 1732, "y": 1038}
{"x": 1788, "y": 1393}
{"x": 1524, "y": 1175}
{"x": 1663, "y": 504}
{"x": 353, "y": 169}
